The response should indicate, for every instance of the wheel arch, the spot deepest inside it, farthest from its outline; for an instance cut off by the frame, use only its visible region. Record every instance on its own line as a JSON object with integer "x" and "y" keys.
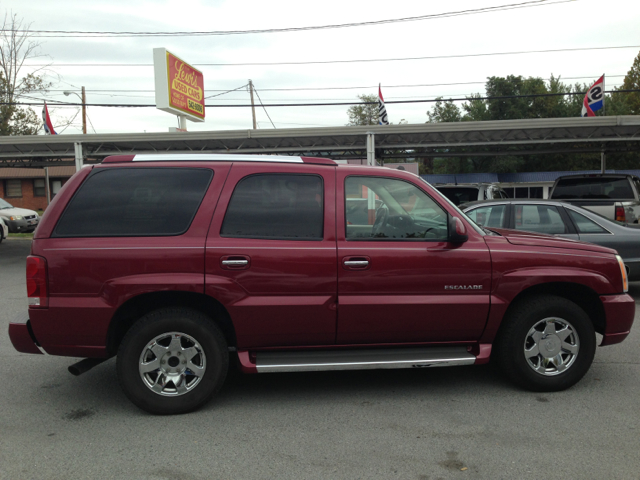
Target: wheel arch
{"x": 581, "y": 295}
{"x": 134, "y": 308}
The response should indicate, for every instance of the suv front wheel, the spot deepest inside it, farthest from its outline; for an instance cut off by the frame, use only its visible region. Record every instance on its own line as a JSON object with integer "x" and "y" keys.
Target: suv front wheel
{"x": 546, "y": 344}
{"x": 172, "y": 361}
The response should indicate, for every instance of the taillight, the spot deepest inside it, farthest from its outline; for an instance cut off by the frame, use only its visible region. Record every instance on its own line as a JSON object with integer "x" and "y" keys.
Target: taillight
{"x": 37, "y": 290}
{"x": 620, "y": 214}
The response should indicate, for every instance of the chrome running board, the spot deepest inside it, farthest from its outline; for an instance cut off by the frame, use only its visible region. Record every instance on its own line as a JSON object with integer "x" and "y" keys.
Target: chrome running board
{"x": 362, "y": 359}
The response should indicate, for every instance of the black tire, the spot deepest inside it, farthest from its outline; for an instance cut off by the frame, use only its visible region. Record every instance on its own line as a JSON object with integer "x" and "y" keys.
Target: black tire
{"x": 196, "y": 342}
{"x": 565, "y": 355}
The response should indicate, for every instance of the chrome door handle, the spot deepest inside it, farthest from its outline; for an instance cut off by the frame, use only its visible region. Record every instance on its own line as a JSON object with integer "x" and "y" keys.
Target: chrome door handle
{"x": 356, "y": 263}
{"x": 235, "y": 263}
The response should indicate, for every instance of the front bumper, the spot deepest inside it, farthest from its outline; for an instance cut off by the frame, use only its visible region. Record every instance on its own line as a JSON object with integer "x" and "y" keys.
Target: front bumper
{"x": 18, "y": 226}
{"x": 619, "y": 313}
{"x": 22, "y": 336}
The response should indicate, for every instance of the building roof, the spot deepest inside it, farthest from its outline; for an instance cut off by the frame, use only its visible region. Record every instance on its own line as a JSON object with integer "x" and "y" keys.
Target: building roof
{"x": 56, "y": 172}
{"x": 520, "y": 177}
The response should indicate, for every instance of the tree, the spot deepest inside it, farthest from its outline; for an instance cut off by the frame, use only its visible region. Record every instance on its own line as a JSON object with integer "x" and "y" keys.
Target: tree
{"x": 365, "y": 113}
{"x": 444, "y": 111}
{"x": 632, "y": 82}
{"x": 17, "y": 47}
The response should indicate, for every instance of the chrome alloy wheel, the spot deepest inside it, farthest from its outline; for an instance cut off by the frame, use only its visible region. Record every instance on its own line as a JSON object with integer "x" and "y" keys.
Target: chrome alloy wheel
{"x": 551, "y": 346}
{"x": 172, "y": 364}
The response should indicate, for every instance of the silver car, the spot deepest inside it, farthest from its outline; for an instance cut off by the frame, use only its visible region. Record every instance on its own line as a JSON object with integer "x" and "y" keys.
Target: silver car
{"x": 563, "y": 220}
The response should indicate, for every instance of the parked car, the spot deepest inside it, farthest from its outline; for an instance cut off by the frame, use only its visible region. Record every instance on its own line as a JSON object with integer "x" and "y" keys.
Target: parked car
{"x": 463, "y": 193}
{"x": 177, "y": 264}
{"x": 4, "y": 230}
{"x": 19, "y": 220}
{"x": 561, "y": 219}
{"x": 615, "y": 196}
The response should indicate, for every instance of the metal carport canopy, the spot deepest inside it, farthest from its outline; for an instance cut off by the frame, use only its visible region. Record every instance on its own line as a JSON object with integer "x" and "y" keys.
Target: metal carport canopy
{"x": 459, "y": 138}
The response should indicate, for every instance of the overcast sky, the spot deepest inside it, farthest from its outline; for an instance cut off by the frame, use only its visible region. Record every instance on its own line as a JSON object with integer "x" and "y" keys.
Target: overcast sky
{"x": 549, "y": 25}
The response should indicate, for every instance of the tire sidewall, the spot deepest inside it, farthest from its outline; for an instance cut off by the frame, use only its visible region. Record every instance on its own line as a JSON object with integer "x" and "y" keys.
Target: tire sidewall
{"x": 188, "y": 322}
{"x": 528, "y": 314}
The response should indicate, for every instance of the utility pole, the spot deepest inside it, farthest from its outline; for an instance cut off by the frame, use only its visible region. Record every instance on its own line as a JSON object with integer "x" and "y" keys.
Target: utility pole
{"x": 84, "y": 112}
{"x": 253, "y": 108}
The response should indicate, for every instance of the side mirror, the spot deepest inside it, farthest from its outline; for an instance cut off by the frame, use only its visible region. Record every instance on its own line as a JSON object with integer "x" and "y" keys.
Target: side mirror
{"x": 457, "y": 231}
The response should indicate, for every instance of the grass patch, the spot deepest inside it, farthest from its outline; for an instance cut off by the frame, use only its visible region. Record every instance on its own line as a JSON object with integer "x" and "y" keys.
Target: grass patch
{"x": 21, "y": 235}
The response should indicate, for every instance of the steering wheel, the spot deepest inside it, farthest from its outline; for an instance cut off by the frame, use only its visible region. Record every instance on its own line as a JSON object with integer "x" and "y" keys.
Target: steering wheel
{"x": 381, "y": 219}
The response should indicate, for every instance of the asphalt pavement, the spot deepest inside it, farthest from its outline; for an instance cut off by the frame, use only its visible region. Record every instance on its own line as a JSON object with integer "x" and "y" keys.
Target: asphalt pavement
{"x": 421, "y": 424}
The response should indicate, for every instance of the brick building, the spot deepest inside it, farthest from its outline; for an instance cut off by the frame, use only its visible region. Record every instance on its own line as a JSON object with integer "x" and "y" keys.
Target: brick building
{"x": 25, "y": 187}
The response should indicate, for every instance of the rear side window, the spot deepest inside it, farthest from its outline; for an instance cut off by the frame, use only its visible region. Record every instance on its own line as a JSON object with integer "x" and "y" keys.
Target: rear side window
{"x": 594, "y": 188}
{"x": 127, "y": 202}
{"x": 584, "y": 224}
{"x": 276, "y": 206}
{"x": 539, "y": 219}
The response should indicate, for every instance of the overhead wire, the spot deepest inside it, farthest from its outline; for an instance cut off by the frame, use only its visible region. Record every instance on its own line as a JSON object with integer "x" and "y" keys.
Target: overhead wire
{"x": 327, "y": 62}
{"x": 265, "y": 110}
{"x": 327, "y": 104}
{"x": 102, "y": 34}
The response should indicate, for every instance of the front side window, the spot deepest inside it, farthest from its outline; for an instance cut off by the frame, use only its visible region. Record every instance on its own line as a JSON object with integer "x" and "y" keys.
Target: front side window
{"x": 276, "y": 206}
{"x": 125, "y": 202}
{"x": 488, "y": 216}
{"x": 378, "y": 208}
{"x": 539, "y": 219}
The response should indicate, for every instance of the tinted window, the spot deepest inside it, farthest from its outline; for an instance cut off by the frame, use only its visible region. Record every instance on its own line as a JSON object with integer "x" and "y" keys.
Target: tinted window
{"x": 460, "y": 195}
{"x": 596, "y": 187}
{"x": 276, "y": 206}
{"x": 135, "y": 202}
{"x": 539, "y": 218}
{"x": 378, "y": 208}
{"x": 583, "y": 224}
{"x": 488, "y": 216}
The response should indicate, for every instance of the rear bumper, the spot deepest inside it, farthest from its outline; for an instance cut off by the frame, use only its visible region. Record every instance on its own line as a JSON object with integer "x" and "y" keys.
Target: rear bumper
{"x": 619, "y": 311}
{"x": 22, "y": 336}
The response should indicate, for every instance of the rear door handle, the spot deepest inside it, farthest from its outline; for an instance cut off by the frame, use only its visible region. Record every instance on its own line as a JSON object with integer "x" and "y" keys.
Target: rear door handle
{"x": 356, "y": 263}
{"x": 235, "y": 262}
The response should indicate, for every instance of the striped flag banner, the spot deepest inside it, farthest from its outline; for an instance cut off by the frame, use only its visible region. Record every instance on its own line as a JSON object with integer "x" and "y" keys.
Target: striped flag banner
{"x": 48, "y": 126}
{"x": 382, "y": 111}
{"x": 594, "y": 98}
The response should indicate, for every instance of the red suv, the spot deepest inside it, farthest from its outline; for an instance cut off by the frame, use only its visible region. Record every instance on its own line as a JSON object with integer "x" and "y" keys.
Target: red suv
{"x": 179, "y": 263}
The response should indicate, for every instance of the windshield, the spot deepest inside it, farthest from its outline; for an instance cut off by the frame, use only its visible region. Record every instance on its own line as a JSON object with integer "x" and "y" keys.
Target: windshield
{"x": 460, "y": 212}
{"x": 4, "y": 204}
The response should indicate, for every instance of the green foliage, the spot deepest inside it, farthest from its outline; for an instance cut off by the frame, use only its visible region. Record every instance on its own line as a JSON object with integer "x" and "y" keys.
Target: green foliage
{"x": 632, "y": 82}
{"x": 444, "y": 111}
{"x": 365, "y": 113}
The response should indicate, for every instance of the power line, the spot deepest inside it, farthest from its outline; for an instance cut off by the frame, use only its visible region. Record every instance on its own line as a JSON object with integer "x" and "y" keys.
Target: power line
{"x": 364, "y": 87}
{"x": 325, "y": 62}
{"x": 97, "y": 91}
{"x": 265, "y": 110}
{"x": 325, "y": 104}
{"x": 89, "y": 34}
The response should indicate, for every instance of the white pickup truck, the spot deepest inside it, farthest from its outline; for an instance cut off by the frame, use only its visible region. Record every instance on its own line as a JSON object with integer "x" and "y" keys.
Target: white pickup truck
{"x": 612, "y": 195}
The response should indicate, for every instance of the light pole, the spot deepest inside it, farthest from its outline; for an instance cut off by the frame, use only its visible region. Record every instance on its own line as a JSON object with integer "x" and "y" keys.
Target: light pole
{"x": 84, "y": 107}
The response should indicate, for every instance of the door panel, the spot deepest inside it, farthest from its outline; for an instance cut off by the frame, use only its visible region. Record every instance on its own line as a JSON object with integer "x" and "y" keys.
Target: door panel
{"x": 416, "y": 287}
{"x": 279, "y": 289}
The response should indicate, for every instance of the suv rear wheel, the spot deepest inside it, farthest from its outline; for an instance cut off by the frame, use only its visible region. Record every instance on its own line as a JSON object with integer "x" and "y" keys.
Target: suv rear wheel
{"x": 547, "y": 344}
{"x": 172, "y": 361}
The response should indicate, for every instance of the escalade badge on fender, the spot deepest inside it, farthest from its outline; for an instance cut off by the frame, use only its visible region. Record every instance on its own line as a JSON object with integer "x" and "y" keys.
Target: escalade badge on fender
{"x": 463, "y": 287}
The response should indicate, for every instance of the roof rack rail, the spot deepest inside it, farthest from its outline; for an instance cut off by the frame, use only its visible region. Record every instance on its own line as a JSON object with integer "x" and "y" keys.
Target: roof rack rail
{"x": 213, "y": 157}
